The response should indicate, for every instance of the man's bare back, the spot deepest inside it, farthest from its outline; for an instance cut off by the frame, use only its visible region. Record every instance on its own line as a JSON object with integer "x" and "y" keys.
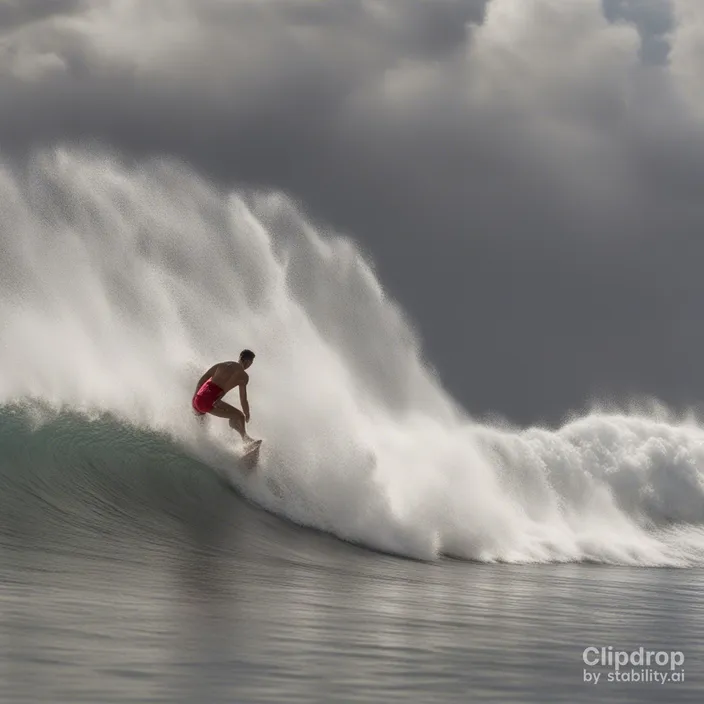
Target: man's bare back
{"x": 228, "y": 375}
{"x": 216, "y": 382}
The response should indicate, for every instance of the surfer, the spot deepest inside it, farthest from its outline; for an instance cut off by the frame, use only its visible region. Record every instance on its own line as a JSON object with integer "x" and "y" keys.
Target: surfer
{"x": 216, "y": 382}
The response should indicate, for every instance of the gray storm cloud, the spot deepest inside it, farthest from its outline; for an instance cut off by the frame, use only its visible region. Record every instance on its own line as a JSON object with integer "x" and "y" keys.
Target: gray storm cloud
{"x": 526, "y": 174}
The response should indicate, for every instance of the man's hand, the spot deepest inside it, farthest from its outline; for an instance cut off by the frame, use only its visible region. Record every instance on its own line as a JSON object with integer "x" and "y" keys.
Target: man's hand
{"x": 246, "y": 416}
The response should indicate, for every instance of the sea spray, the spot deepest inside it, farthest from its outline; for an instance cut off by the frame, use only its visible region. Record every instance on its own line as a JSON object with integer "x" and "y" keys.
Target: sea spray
{"x": 121, "y": 285}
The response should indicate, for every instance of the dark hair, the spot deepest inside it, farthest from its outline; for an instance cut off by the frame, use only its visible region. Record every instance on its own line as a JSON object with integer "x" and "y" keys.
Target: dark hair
{"x": 247, "y": 355}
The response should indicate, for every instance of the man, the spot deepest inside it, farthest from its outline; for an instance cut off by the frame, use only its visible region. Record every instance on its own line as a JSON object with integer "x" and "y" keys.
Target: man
{"x": 216, "y": 382}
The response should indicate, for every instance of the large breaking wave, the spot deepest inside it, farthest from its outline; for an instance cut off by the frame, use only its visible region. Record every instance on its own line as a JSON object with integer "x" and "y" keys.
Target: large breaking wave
{"x": 120, "y": 285}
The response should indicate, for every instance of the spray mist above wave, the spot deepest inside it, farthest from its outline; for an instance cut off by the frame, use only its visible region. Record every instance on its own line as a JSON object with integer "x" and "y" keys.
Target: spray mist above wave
{"x": 120, "y": 285}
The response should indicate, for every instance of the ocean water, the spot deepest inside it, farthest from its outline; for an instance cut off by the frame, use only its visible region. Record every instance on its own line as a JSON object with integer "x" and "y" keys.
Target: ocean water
{"x": 388, "y": 548}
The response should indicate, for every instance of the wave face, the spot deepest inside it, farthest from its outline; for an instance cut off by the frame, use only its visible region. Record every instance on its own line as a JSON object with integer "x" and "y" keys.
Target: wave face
{"x": 120, "y": 285}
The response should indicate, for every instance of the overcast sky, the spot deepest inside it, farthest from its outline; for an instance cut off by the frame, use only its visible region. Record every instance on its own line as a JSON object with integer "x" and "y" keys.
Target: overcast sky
{"x": 526, "y": 174}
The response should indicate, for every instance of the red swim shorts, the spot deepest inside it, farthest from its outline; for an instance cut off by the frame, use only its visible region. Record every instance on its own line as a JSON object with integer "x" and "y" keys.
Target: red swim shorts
{"x": 206, "y": 397}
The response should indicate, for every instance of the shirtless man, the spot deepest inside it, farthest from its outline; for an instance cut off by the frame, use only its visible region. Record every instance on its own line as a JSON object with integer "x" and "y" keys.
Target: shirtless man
{"x": 216, "y": 382}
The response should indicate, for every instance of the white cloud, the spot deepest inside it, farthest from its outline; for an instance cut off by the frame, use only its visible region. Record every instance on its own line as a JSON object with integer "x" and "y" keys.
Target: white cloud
{"x": 687, "y": 55}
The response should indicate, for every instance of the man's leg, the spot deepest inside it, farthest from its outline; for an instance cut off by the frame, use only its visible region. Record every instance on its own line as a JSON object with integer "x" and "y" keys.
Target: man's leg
{"x": 236, "y": 417}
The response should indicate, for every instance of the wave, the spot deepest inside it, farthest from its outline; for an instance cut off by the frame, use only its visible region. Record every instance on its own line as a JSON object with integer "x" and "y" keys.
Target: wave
{"x": 85, "y": 486}
{"x": 121, "y": 285}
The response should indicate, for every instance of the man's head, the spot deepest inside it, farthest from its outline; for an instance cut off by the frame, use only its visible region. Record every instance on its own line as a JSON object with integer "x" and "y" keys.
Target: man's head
{"x": 246, "y": 358}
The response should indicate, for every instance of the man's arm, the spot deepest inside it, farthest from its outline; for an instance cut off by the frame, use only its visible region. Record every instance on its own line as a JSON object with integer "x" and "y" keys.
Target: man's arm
{"x": 205, "y": 376}
{"x": 243, "y": 399}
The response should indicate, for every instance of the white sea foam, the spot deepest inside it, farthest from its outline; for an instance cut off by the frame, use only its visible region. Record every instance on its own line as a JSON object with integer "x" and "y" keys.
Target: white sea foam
{"x": 121, "y": 285}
